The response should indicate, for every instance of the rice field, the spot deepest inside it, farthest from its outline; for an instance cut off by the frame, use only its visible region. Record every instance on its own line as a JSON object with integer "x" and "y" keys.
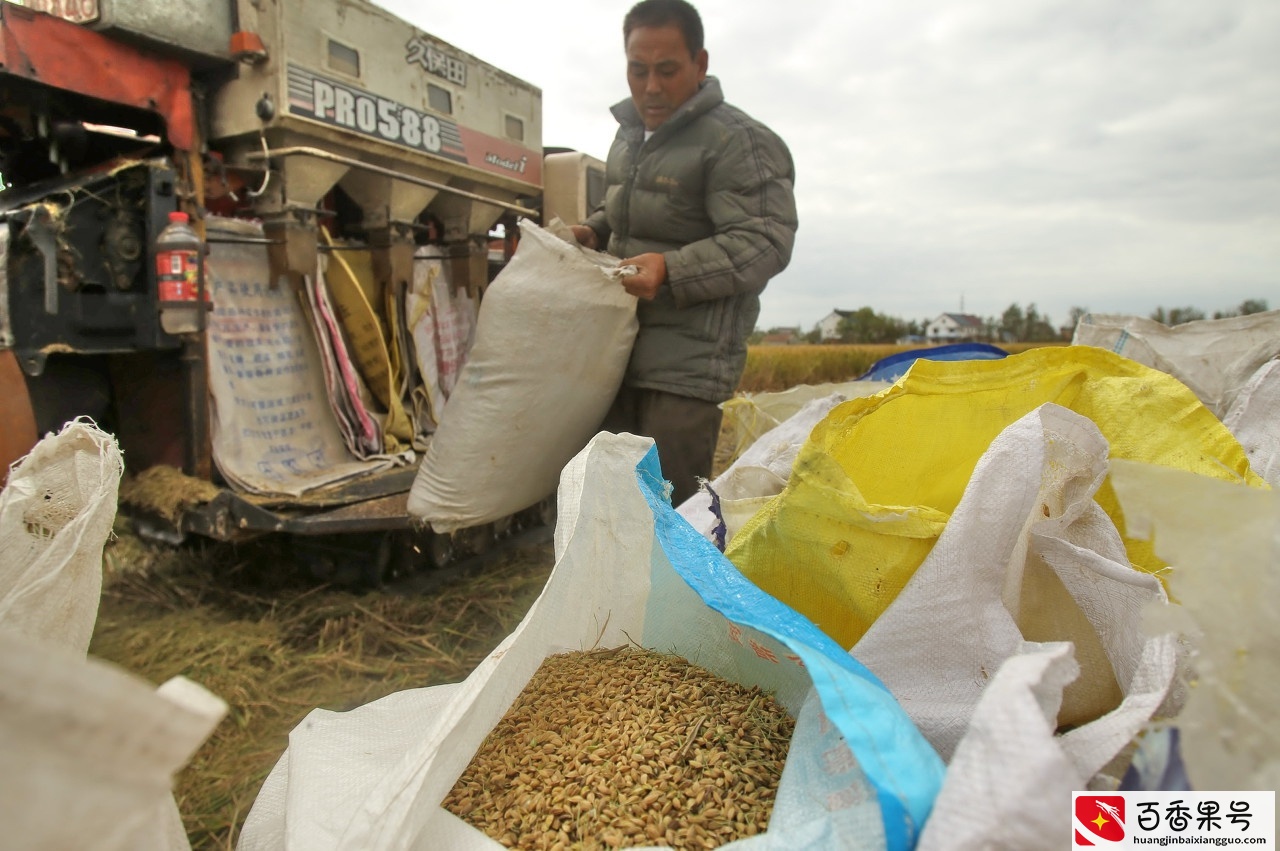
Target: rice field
{"x": 774, "y": 368}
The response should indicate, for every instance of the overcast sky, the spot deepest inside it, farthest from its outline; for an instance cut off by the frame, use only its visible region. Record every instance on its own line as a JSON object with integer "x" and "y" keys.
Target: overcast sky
{"x": 1115, "y": 155}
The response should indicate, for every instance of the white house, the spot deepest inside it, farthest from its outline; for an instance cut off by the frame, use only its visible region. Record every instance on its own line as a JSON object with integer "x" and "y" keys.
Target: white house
{"x": 829, "y": 325}
{"x": 954, "y": 328}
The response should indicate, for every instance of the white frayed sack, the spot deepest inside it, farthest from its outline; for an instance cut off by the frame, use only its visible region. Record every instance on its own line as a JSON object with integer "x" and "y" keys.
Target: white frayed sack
{"x": 55, "y": 515}
{"x": 553, "y": 338}
{"x": 749, "y": 416}
{"x": 89, "y": 750}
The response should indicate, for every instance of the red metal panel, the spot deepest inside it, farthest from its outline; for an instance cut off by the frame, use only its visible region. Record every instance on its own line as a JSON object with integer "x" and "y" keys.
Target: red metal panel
{"x": 67, "y": 56}
{"x": 17, "y": 419}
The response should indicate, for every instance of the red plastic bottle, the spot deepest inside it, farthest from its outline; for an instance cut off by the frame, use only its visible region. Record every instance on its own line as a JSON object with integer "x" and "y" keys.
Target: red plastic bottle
{"x": 179, "y": 252}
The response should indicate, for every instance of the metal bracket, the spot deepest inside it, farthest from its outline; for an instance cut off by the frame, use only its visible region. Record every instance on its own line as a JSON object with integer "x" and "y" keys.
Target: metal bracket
{"x": 41, "y": 232}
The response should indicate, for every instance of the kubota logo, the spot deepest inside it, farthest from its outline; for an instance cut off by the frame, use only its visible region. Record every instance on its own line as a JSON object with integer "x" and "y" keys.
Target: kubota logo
{"x": 1099, "y": 820}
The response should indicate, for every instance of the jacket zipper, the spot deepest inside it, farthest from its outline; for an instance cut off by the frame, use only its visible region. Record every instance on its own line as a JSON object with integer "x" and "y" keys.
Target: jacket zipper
{"x": 626, "y": 198}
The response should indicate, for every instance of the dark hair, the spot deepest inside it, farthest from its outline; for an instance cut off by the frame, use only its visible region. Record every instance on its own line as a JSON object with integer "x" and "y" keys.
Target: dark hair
{"x": 661, "y": 13}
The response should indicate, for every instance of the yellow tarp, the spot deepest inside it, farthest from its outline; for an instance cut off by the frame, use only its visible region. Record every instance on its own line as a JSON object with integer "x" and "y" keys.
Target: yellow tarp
{"x": 878, "y": 479}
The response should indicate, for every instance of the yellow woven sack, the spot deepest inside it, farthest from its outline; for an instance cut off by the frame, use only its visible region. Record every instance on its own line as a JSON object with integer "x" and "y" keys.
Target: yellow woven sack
{"x": 351, "y": 280}
{"x": 878, "y": 479}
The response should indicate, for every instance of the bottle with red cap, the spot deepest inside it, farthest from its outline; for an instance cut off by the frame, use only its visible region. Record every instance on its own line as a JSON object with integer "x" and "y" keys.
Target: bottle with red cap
{"x": 179, "y": 255}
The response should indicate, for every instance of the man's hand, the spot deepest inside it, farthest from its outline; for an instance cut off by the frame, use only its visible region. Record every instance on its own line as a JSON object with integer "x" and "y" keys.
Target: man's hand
{"x": 651, "y": 275}
{"x": 586, "y": 236}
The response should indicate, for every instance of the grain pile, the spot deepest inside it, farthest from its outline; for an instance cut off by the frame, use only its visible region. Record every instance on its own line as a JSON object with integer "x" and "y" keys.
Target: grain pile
{"x": 626, "y": 747}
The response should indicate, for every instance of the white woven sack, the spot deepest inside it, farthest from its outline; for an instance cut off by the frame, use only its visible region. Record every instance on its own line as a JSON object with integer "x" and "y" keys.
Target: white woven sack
{"x": 1224, "y": 540}
{"x": 1028, "y": 552}
{"x": 373, "y": 778}
{"x": 249, "y": 403}
{"x": 758, "y": 475}
{"x": 55, "y": 515}
{"x": 1254, "y": 419}
{"x": 749, "y": 416}
{"x": 553, "y": 338}
{"x": 89, "y": 750}
{"x": 1213, "y": 357}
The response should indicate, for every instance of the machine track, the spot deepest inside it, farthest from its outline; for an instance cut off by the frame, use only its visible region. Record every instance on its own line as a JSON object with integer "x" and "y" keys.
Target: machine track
{"x": 419, "y": 560}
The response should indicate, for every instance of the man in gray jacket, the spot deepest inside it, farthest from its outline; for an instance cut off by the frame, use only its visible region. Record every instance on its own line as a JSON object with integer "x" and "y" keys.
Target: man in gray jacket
{"x": 700, "y": 200}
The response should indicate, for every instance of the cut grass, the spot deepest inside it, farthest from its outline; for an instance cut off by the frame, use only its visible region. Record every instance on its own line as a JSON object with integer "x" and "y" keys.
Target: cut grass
{"x": 249, "y": 626}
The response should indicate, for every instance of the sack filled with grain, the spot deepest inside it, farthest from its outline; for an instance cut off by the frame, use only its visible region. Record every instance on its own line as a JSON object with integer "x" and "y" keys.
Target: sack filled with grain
{"x": 631, "y": 577}
{"x": 552, "y": 341}
{"x": 623, "y": 748}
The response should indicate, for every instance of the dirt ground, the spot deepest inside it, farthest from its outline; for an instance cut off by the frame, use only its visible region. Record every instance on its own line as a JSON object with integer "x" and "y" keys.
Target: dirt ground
{"x": 253, "y": 626}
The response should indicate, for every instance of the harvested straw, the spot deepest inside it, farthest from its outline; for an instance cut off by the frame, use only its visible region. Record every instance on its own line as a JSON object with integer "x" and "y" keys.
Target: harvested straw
{"x": 626, "y": 747}
{"x": 250, "y": 625}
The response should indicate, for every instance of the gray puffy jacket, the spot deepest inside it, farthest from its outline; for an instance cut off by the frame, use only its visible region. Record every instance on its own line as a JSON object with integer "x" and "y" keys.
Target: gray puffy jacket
{"x": 712, "y": 190}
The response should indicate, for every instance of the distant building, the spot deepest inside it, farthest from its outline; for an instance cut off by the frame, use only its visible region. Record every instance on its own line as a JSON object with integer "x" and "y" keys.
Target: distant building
{"x": 954, "y": 328}
{"x": 782, "y": 337}
{"x": 829, "y": 325}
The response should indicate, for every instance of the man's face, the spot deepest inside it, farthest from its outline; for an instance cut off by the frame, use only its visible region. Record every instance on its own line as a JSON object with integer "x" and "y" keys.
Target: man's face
{"x": 661, "y": 73}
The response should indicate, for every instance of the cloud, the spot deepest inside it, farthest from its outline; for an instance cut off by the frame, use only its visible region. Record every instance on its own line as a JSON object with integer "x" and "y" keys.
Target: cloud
{"x": 1115, "y": 156}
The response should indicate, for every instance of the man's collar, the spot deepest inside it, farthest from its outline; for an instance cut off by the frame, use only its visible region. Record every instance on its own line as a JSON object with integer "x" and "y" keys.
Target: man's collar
{"x": 707, "y": 96}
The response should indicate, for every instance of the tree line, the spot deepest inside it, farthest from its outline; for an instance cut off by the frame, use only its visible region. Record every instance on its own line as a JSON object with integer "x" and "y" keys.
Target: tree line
{"x": 1015, "y": 324}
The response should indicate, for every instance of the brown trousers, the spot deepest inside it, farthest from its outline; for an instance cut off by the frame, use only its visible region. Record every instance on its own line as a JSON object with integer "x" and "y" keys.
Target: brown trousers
{"x": 684, "y": 429}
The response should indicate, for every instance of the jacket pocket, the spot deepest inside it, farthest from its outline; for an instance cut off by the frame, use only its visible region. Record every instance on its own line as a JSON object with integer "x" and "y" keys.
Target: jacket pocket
{"x": 717, "y": 312}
